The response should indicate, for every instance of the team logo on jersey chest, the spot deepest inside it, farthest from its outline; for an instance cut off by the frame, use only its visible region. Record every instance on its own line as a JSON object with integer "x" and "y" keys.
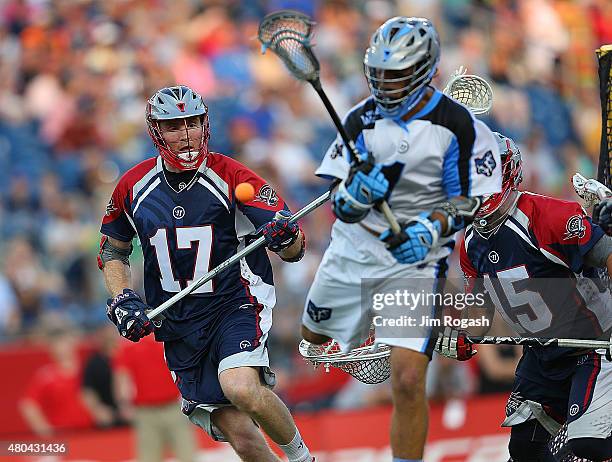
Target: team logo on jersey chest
{"x": 574, "y": 227}
{"x": 493, "y": 256}
{"x": 267, "y": 195}
{"x": 178, "y": 212}
{"x": 485, "y": 164}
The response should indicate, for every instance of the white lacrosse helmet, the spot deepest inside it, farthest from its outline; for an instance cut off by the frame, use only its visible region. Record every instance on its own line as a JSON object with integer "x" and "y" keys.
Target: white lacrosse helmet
{"x": 400, "y": 62}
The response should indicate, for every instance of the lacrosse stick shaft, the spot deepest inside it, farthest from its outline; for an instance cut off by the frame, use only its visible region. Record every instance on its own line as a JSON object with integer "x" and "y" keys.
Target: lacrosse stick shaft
{"x": 350, "y": 145}
{"x": 230, "y": 261}
{"x": 535, "y": 341}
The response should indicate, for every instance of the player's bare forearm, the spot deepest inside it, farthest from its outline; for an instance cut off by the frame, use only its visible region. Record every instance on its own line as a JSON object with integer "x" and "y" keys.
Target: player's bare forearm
{"x": 117, "y": 275}
{"x": 294, "y": 249}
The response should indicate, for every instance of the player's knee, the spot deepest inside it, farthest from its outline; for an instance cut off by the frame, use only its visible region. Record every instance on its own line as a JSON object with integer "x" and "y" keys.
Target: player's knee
{"x": 408, "y": 384}
{"x": 529, "y": 443}
{"x": 311, "y": 337}
{"x": 245, "y": 396}
{"x": 595, "y": 449}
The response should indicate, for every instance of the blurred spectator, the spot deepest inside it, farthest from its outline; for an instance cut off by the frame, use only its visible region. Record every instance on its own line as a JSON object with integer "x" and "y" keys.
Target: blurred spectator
{"x": 52, "y": 400}
{"x": 144, "y": 384}
{"x": 97, "y": 386}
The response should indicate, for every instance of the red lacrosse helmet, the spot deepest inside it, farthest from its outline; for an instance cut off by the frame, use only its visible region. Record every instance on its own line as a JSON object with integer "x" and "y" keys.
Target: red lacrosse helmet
{"x": 183, "y": 104}
{"x": 496, "y": 207}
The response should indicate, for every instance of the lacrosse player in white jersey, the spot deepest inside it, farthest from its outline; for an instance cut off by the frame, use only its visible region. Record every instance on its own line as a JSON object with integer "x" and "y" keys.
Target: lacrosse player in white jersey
{"x": 432, "y": 161}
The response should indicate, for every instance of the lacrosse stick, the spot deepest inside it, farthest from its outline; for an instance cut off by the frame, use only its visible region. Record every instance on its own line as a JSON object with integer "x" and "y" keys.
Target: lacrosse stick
{"x": 287, "y": 33}
{"x": 545, "y": 342}
{"x": 592, "y": 191}
{"x": 369, "y": 365}
{"x": 470, "y": 90}
{"x": 230, "y": 261}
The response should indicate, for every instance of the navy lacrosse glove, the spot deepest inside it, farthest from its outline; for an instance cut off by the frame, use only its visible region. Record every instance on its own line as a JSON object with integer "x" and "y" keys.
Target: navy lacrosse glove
{"x": 280, "y": 233}
{"x": 365, "y": 186}
{"x": 602, "y": 215}
{"x": 412, "y": 244}
{"x": 128, "y": 312}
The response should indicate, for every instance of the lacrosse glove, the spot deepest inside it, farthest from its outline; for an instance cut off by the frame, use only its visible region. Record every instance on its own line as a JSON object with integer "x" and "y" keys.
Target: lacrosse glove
{"x": 280, "y": 233}
{"x": 602, "y": 215}
{"x": 127, "y": 312}
{"x": 412, "y": 244}
{"x": 454, "y": 344}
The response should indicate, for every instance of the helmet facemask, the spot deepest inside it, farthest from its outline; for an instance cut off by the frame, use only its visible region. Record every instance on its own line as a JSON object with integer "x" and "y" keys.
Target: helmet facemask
{"x": 397, "y": 91}
{"x": 177, "y": 120}
{"x": 495, "y": 208}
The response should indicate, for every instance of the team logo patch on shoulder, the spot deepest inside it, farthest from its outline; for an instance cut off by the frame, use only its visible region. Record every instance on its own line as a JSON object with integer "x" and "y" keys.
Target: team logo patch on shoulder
{"x": 110, "y": 208}
{"x": 267, "y": 195}
{"x": 574, "y": 227}
{"x": 485, "y": 164}
{"x": 336, "y": 152}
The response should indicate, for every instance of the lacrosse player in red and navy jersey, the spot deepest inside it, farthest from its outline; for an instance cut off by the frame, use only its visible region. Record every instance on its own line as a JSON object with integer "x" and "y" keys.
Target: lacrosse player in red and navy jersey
{"x": 536, "y": 257}
{"x": 182, "y": 207}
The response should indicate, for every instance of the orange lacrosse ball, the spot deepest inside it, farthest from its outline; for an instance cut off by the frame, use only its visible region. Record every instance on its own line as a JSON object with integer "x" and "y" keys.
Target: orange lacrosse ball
{"x": 245, "y": 192}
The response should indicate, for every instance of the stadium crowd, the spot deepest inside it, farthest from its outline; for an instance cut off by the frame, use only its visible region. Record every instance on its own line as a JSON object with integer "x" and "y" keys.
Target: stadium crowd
{"x": 75, "y": 75}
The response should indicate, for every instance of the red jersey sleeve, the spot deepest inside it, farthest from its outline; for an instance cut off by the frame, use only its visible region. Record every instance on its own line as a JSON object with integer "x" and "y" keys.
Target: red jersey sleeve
{"x": 564, "y": 229}
{"x": 115, "y": 222}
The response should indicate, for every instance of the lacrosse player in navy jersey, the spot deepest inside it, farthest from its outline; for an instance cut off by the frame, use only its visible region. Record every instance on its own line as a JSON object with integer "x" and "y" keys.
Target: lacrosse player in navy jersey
{"x": 516, "y": 239}
{"x": 181, "y": 205}
{"x": 432, "y": 161}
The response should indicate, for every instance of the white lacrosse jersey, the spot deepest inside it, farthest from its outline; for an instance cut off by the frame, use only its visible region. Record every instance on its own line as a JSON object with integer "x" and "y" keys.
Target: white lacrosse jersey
{"x": 441, "y": 152}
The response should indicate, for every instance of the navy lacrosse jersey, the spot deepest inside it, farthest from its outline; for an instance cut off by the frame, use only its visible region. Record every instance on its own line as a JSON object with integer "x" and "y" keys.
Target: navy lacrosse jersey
{"x": 187, "y": 232}
{"x": 533, "y": 269}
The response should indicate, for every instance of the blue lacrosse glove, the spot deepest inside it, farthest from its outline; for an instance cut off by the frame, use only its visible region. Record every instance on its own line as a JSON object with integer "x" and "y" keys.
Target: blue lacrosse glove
{"x": 367, "y": 183}
{"x": 280, "y": 233}
{"x": 128, "y": 312}
{"x": 412, "y": 244}
{"x": 365, "y": 186}
{"x": 602, "y": 215}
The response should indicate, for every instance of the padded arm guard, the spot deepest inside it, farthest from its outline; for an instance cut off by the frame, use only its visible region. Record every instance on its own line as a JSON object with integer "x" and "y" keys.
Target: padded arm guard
{"x": 458, "y": 212}
{"x": 110, "y": 252}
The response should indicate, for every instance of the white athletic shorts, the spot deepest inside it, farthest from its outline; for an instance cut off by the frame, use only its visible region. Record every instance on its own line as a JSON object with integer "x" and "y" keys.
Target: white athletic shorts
{"x": 333, "y": 305}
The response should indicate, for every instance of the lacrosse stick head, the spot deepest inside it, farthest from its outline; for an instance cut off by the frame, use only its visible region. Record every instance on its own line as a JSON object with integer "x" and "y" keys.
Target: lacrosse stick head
{"x": 369, "y": 363}
{"x": 470, "y": 90}
{"x": 287, "y": 33}
{"x": 590, "y": 190}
